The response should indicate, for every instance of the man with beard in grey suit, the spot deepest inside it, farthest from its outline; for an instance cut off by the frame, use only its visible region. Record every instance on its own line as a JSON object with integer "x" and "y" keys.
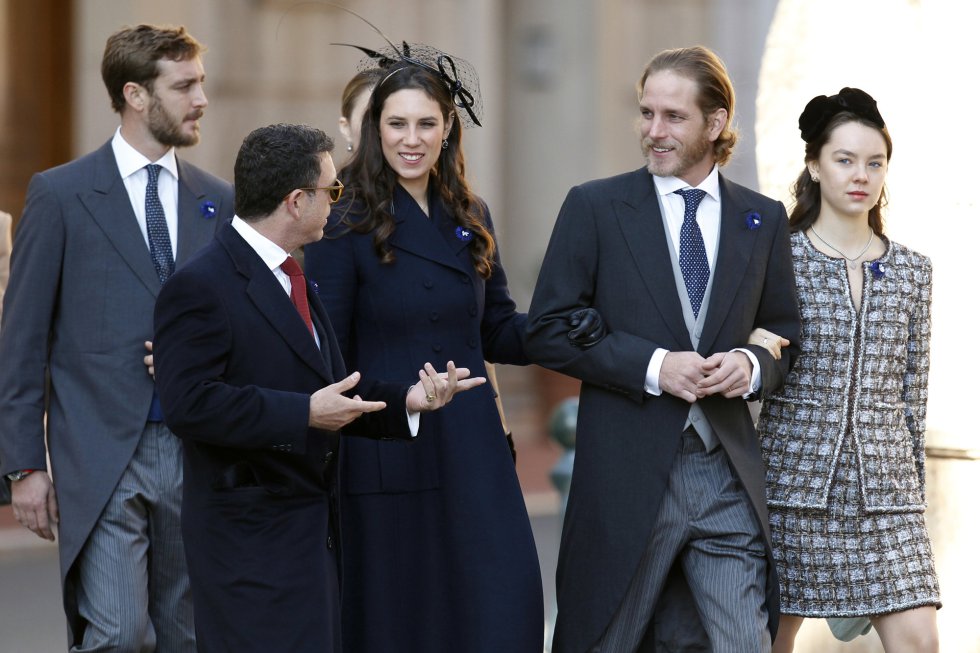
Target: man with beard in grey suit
{"x": 97, "y": 239}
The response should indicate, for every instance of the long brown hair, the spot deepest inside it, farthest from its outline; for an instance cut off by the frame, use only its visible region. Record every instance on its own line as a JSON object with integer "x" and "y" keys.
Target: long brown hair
{"x": 373, "y": 181}
{"x": 806, "y": 192}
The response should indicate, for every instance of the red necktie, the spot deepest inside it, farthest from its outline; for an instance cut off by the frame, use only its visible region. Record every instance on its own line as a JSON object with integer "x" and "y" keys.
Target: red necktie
{"x": 298, "y": 291}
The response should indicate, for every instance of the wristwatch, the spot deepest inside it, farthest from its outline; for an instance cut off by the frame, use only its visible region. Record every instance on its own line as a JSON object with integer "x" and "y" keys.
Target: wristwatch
{"x": 20, "y": 474}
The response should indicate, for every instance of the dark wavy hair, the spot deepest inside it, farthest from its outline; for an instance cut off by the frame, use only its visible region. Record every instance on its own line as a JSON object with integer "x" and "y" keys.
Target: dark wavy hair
{"x": 715, "y": 89}
{"x": 373, "y": 181}
{"x": 806, "y": 192}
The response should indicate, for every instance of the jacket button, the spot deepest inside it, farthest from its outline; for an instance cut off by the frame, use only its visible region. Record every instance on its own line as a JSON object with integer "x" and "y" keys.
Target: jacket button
{"x": 434, "y": 317}
{"x": 473, "y": 311}
{"x": 427, "y": 283}
{"x": 437, "y": 348}
{"x": 329, "y": 541}
{"x": 464, "y": 279}
{"x": 472, "y": 343}
{"x": 327, "y": 456}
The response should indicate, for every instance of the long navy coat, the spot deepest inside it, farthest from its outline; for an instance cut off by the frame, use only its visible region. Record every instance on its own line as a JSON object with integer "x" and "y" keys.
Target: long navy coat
{"x": 437, "y": 547}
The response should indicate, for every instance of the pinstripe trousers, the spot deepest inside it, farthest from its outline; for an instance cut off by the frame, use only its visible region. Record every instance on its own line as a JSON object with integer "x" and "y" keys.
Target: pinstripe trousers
{"x": 133, "y": 590}
{"x": 706, "y": 522}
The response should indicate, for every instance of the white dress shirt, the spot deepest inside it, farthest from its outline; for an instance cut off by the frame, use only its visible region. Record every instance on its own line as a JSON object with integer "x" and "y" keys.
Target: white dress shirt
{"x": 132, "y": 169}
{"x": 709, "y": 220}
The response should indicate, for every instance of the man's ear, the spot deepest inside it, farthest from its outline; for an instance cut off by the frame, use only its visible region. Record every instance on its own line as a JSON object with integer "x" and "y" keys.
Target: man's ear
{"x": 135, "y": 95}
{"x": 292, "y": 201}
{"x": 717, "y": 120}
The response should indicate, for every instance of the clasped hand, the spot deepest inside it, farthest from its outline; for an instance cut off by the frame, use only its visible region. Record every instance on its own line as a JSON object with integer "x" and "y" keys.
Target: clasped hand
{"x": 331, "y": 410}
{"x": 690, "y": 376}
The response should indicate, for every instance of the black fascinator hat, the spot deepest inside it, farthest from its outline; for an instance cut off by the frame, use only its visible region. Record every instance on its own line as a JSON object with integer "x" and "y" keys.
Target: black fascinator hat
{"x": 821, "y": 109}
{"x": 457, "y": 73}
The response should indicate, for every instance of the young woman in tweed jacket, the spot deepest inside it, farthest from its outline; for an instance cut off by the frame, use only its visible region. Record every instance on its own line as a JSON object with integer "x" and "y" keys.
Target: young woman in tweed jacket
{"x": 844, "y": 438}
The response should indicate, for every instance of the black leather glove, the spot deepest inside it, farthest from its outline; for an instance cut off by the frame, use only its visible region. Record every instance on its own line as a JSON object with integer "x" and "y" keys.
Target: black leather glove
{"x": 587, "y": 328}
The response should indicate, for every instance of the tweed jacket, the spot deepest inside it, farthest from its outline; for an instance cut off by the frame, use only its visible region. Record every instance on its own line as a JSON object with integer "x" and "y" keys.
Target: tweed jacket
{"x": 863, "y": 371}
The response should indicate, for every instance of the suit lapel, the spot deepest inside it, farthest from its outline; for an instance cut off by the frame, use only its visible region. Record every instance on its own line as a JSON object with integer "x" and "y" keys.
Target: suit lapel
{"x": 109, "y": 206}
{"x": 269, "y": 298}
{"x": 643, "y": 230}
{"x": 735, "y": 245}
{"x": 194, "y": 228}
{"x": 417, "y": 234}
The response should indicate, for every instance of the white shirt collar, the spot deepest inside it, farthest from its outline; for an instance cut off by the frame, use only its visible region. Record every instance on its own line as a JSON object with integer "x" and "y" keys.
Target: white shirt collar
{"x": 710, "y": 185}
{"x": 270, "y": 253}
{"x": 130, "y": 160}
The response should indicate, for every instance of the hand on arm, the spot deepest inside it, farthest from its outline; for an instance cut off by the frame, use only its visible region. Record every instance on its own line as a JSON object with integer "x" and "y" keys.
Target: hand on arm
{"x": 35, "y": 505}
{"x": 588, "y": 328}
{"x": 330, "y": 410}
{"x": 726, "y": 373}
{"x": 436, "y": 389}
{"x": 769, "y": 340}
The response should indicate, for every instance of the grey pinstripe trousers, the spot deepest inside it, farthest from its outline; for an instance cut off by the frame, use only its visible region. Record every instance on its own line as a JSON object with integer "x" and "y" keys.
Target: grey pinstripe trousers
{"x": 706, "y": 522}
{"x": 133, "y": 590}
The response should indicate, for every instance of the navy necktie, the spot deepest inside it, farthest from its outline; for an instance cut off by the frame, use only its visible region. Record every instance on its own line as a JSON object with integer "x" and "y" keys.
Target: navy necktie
{"x": 156, "y": 226}
{"x": 692, "y": 258}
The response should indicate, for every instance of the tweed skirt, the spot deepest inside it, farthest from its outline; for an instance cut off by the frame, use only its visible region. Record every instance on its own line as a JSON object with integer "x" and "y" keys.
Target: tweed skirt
{"x": 844, "y": 562}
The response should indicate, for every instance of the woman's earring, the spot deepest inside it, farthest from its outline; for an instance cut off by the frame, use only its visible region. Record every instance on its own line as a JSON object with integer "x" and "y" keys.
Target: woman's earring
{"x": 350, "y": 147}
{"x": 445, "y": 143}
{"x": 815, "y": 178}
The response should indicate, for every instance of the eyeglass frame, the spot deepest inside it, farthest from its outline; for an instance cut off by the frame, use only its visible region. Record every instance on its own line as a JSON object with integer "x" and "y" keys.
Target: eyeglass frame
{"x": 338, "y": 188}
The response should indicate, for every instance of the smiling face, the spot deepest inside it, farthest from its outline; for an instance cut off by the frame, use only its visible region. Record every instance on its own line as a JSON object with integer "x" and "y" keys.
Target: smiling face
{"x": 412, "y": 129}
{"x": 176, "y": 102}
{"x": 852, "y": 167}
{"x": 676, "y": 138}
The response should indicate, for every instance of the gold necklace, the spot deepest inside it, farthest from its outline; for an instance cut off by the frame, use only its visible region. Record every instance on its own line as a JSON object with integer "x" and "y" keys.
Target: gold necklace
{"x": 852, "y": 263}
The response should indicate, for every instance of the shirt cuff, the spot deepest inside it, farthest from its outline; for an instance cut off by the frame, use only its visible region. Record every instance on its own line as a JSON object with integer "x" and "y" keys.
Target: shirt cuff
{"x": 652, "y": 385}
{"x": 413, "y": 422}
{"x": 756, "y": 381}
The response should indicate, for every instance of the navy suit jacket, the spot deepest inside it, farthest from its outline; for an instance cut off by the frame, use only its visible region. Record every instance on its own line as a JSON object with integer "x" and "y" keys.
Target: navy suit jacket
{"x": 609, "y": 250}
{"x": 235, "y": 367}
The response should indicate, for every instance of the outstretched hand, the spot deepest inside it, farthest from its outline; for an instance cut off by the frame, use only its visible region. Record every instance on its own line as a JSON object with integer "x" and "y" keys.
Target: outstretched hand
{"x": 436, "y": 389}
{"x": 330, "y": 410}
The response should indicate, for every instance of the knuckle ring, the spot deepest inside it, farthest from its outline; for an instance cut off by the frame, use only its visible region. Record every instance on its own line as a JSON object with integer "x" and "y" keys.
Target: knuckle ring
{"x": 430, "y": 398}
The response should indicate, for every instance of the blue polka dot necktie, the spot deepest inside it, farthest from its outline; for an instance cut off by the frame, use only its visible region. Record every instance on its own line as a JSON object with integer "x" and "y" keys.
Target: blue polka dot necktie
{"x": 156, "y": 227}
{"x": 692, "y": 258}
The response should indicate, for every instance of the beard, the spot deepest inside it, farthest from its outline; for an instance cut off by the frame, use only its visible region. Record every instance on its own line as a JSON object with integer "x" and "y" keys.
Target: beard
{"x": 166, "y": 128}
{"x": 685, "y": 156}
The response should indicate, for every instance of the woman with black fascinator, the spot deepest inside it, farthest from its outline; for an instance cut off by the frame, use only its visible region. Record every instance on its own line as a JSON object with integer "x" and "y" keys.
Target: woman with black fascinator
{"x": 437, "y": 548}
{"x": 844, "y": 440}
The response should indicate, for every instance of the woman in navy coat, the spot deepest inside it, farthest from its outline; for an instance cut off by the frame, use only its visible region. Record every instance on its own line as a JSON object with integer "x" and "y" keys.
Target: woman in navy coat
{"x": 437, "y": 550}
